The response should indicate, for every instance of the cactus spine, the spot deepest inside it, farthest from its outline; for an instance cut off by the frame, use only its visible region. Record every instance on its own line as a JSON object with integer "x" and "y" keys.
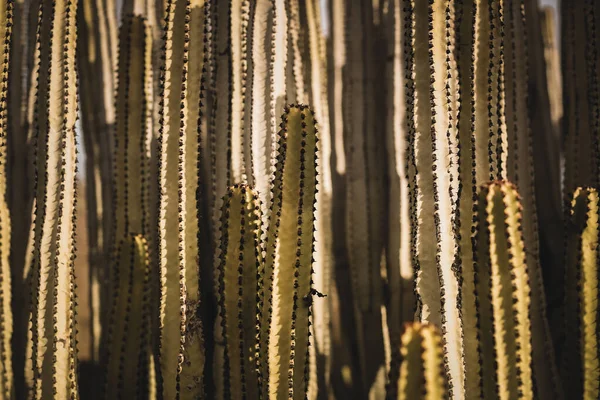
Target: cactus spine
{"x": 128, "y": 342}
{"x": 289, "y": 256}
{"x": 54, "y": 343}
{"x": 503, "y": 295}
{"x": 580, "y": 367}
{"x": 418, "y": 368}
{"x": 181, "y": 335}
{"x": 6, "y": 320}
{"x": 240, "y": 270}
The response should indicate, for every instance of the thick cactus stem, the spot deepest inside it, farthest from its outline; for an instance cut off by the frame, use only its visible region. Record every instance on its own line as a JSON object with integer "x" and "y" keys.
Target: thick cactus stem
{"x": 289, "y": 256}
{"x": 417, "y": 371}
{"x": 54, "y": 343}
{"x": 181, "y": 115}
{"x": 580, "y": 366}
{"x": 6, "y": 321}
{"x": 240, "y": 270}
{"x": 503, "y": 295}
{"x": 128, "y": 341}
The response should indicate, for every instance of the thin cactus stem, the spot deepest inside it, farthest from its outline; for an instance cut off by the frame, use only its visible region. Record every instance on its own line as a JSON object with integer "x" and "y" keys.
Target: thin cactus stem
{"x": 54, "y": 343}
{"x": 503, "y": 295}
{"x": 580, "y": 352}
{"x": 240, "y": 271}
{"x": 181, "y": 337}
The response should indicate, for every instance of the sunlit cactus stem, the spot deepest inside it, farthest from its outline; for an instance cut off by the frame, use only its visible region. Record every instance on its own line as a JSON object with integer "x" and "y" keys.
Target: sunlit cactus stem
{"x": 240, "y": 274}
{"x": 181, "y": 118}
{"x": 580, "y": 365}
{"x": 128, "y": 341}
{"x": 503, "y": 295}
{"x": 417, "y": 370}
{"x": 289, "y": 256}
{"x": 6, "y": 320}
{"x": 53, "y": 319}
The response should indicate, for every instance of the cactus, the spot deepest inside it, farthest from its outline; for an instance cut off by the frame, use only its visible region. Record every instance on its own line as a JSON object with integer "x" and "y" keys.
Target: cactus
{"x": 6, "y": 321}
{"x": 580, "y": 367}
{"x": 289, "y": 258}
{"x": 128, "y": 341}
{"x": 503, "y": 295}
{"x": 181, "y": 337}
{"x": 53, "y": 318}
{"x": 417, "y": 370}
{"x": 96, "y": 59}
{"x": 240, "y": 272}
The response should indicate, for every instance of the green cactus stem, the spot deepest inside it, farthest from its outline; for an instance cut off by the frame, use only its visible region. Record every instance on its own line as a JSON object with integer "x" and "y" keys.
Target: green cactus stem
{"x": 289, "y": 258}
{"x": 580, "y": 366}
{"x": 6, "y": 322}
{"x": 128, "y": 341}
{"x": 181, "y": 114}
{"x": 240, "y": 270}
{"x": 53, "y": 319}
{"x": 503, "y": 295}
{"x": 417, "y": 370}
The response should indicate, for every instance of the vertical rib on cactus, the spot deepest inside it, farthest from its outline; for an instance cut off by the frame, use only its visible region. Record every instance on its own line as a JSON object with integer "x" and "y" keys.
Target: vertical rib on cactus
{"x": 239, "y": 279}
{"x": 580, "y": 366}
{"x": 128, "y": 341}
{"x": 6, "y": 319}
{"x": 503, "y": 295}
{"x": 182, "y": 347}
{"x": 418, "y": 366}
{"x": 466, "y": 11}
{"x": 289, "y": 255}
{"x": 262, "y": 20}
{"x": 54, "y": 351}
{"x": 323, "y": 265}
{"x": 444, "y": 155}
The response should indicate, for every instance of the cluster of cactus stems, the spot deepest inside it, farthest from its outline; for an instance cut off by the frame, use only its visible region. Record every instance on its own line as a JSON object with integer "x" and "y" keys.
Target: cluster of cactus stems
{"x": 235, "y": 252}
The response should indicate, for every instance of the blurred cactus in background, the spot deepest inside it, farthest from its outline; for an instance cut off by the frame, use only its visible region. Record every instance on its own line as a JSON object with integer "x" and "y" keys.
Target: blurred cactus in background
{"x": 299, "y": 199}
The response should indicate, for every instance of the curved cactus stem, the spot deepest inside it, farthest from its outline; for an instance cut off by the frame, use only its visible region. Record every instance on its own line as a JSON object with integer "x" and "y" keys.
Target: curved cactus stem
{"x": 181, "y": 340}
{"x": 291, "y": 237}
{"x": 128, "y": 342}
{"x": 239, "y": 279}
{"x": 418, "y": 366}
{"x": 6, "y": 322}
{"x": 503, "y": 293}
{"x": 54, "y": 349}
{"x": 580, "y": 364}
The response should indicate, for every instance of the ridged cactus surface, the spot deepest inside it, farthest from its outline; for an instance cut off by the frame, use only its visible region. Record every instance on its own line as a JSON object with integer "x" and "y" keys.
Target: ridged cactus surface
{"x": 580, "y": 365}
{"x": 503, "y": 295}
{"x": 53, "y": 317}
{"x": 417, "y": 370}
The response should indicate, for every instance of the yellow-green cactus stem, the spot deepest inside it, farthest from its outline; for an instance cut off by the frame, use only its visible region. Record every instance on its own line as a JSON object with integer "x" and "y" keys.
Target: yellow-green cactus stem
{"x": 53, "y": 319}
{"x": 580, "y": 365}
{"x": 240, "y": 270}
{"x": 128, "y": 341}
{"x": 6, "y": 320}
{"x": 182, "y": 354}
{"x": 289, "y": 258}
{"x": 417, "y": 365}
{"x": 503, "y": 295}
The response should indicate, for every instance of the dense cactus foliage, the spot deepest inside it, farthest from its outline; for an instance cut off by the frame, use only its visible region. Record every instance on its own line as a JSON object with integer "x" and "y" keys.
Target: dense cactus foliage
{"x": 299, "y": 199}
